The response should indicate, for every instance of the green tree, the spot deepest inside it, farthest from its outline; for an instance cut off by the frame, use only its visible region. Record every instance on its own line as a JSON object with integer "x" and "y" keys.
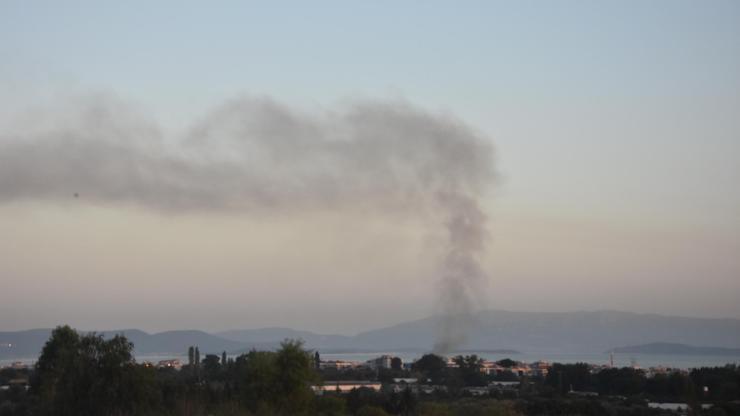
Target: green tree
{"x": 211, "y": 367}
{"x": 294, "y": 365}
{"x": 331, "y": 406}
{"x": 407, "y": 403}
{"x": 258, "y": 375}
{"x": 432, "y": 367}
{"x": 277, "y": 382}
{"x": 469, "y": 367}
{"x": 566, "y": 376}
{"x": 623, "y": 381}
{"x": 359, "y": 398}
{"x": 506, "y": 363}
{"x": 54, "y": 369}
{"x": 88, "y": 375}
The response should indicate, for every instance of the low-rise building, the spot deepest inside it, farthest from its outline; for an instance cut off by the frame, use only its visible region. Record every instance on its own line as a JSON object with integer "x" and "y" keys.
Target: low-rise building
{"x": 339, "y": 364}
{"x": 540, "y": 368}
{"x": 345, "y": 386}
{"x": 384, "y": 361}
{"x": 493, "y": 368}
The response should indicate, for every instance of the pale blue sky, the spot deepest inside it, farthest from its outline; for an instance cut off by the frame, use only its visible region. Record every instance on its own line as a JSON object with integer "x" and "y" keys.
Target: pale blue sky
{"x": 447, "y": 54}
{"x": 615, "y": 122}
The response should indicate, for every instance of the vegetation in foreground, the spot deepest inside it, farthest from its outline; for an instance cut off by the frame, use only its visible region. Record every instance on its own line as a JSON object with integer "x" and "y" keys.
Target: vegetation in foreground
{"x": 85, "y": 374}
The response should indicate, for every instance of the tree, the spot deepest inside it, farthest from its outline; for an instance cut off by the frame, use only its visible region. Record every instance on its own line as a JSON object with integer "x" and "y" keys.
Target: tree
{"x": 258, "y": 375}
{"x": 396, "y": 363}
{"x": 197, "y": 363}
{"x": 191, "y": 356}
{"x": 432, "y": 367}
{"x": 623, "y": 381}
{"x": 53, "y": 369}
{"x": 296, "y": 375}
{"x": 566, "y": 376}
{"x": 407, "y": 402}
{"x": 469, "y": 367}
{"x": 86, "y": 374}
{"x": 277, "y": 382}
{"x": 506, "y": 363}
{"x": 331, "y": 406}
{"x": 362, "y": 397}
{"x": 223, "y": 359}
{"x": 211, "y": 366}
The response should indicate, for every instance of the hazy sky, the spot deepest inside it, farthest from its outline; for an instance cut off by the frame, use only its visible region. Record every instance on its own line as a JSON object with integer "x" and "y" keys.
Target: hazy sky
{"x": 616, "y": 128}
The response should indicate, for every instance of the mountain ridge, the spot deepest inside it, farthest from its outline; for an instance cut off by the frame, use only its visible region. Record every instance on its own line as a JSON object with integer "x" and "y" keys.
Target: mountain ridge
{"x": 527, "y": 332}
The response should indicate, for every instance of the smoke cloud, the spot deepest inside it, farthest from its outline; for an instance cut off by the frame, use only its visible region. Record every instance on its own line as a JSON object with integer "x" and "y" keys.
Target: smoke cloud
{"x": 256, "y": 154}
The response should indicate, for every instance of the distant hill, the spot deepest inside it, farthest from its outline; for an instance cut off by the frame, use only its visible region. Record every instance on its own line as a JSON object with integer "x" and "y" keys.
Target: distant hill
{"x": 673, "y": 348}
{"x": 271, "y": 337}
{"x": 526, "y": 332}
{"x": 177, "y": 341}
{"x": 557, "y": 332}
{"x": 22, "y": 344}
{"x": 28, "y": 344}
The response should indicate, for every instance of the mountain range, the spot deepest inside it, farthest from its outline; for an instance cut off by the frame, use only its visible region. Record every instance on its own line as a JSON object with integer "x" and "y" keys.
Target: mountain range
{"x": 530, "y": 332}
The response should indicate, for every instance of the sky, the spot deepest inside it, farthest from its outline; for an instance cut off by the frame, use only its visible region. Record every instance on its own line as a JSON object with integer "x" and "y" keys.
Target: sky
{"x": 615, "y": 129}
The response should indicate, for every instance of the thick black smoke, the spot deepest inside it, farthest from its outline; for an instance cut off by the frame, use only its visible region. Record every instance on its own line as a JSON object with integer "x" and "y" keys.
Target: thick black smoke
{"x": 255, "y": 154}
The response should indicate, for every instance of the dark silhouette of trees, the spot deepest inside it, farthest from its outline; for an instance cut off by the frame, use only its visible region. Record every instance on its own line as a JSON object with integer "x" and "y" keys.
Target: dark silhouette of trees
{"x": 331, "y": 406}
{"x": 364, "y": 397}
{"x": 721, "y": 383}
{"x": 506, "y": 363}
{"x": 87, "y": 375}
{"x": 469, "y": 368}
{"x": 432, "y": 367}
{"x": 566, "y": 377}
{"x": 407, "y": 402}
{"x": 211, "y": 366}
{"x": 296, "y": 372}
{"x": 621, "y": 381}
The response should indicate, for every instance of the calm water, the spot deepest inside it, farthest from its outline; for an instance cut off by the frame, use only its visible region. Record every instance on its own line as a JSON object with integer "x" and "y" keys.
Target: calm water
{"x": 620, "y": 360}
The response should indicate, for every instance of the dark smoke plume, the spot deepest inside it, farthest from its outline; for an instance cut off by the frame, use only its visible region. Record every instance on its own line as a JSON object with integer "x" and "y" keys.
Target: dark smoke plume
{"x": 256, "y": 154}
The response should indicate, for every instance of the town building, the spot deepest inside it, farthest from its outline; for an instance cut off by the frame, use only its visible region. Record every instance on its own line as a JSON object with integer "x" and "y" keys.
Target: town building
{"x": 344, "y": 386}
{"x": 338, "y": 364}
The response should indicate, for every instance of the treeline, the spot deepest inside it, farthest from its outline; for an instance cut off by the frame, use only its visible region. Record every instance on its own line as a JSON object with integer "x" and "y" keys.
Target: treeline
{"x": 703, "y": 384}
{"x": 85, "y": 374}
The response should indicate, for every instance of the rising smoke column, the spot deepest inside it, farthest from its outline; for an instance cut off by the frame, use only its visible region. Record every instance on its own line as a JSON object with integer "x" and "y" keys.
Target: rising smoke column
{"x": 254, "y": 154}
{"x": 462, "y": 277}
